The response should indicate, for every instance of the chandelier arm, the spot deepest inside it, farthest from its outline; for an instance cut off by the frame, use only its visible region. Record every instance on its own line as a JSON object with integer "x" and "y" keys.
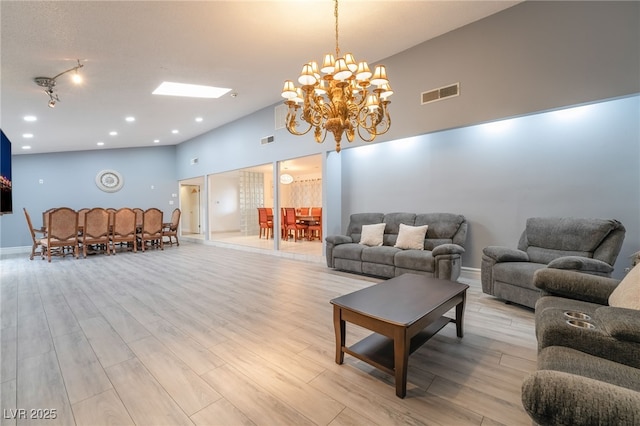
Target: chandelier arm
{"x": 292, "y": 123}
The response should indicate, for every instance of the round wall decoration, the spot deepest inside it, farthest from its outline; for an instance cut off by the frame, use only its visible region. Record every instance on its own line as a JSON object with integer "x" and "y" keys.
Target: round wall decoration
{"x": 109, "y": 180}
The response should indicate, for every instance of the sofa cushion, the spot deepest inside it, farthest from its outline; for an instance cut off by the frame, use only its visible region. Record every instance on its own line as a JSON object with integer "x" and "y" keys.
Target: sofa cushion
{"x": 569, "y": 360}
{"x": 351, "y": 251}
{"x": 372, "y": 234}
{"x": 411, "y": 237}
{"x": 383, "y": 254}
{"x": 418, "y": 260}
{"x": 627, "y": 293}
{"x": 547, "y": 238}
{"x": 519, "y": 274}
{"x": 358, "y": 219}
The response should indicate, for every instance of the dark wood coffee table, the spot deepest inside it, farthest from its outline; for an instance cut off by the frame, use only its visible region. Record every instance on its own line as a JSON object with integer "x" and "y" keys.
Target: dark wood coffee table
{"x": 404, "y": 312}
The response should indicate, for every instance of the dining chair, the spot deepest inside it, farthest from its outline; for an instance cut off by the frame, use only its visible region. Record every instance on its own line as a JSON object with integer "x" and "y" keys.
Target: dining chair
{"x": 315, "y": 227}
{"x": 293, "y": 225}
{"x": 283, "y": 223}
{"x": 96, "y": 230}
{"x": 81, "y": 214}
{"x": 139, "y": 212}
{"x": 266, "y": 226}
{"x": 151, "y": 228}
{"x": 123, "y": 229}
{"x": 34, "y": 237}
{"x": 170, "y": 229}
{"x": 62, "y": 232}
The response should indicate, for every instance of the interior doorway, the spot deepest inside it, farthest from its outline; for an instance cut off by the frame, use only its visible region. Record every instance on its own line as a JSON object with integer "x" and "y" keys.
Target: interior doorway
{"x": 191, "y": 207}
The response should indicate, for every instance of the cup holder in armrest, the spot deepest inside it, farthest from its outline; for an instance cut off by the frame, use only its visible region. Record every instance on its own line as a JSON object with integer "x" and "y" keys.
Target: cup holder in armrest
{"x": 577, "y": 315}
{"x": 581, "y": 324}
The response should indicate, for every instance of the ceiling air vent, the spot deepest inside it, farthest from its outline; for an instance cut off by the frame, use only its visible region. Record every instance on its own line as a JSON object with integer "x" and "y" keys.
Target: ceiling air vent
{"x": 440, "y": 93}
{"x": 266, "y": 140}
{"x": 281, "y": 116}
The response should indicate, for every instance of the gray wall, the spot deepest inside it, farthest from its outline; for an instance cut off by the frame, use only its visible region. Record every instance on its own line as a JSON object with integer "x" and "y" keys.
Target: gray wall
{"x": 69, "y": 181}
{"x": 581, "y": 162}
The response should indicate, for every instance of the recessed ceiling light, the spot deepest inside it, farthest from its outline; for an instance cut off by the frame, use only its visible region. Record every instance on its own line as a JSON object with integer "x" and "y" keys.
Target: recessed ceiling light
{"x": 27, "y": 135}
{"x": 174, "y": 131}
{"x": 189, "y": 90}
{"x": 100, "y": 143}
{"x": 199, "y": 119}
{"x": 130, "y": 119}
{"x": 26, "y": 147}
{"x": 114, "y": 133}
{"x": 156, "y": 141}
{"x": 30, "y": 118}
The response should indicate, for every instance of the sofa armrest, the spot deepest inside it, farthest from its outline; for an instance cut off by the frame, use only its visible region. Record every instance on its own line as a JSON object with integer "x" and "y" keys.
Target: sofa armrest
{"x": 505, "y": 254}
{"x": 558, "y": 398}
{"x": 581, "y": 264}
{"x": 338, "y": 239}
{"x": 447, "y": 249}
{"x": 620, "y": 323}
{"x": 574, "y": 285}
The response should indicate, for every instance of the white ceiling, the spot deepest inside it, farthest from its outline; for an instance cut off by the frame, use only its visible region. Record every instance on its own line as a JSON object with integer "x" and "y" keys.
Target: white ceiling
{"x": 129, "y": 47}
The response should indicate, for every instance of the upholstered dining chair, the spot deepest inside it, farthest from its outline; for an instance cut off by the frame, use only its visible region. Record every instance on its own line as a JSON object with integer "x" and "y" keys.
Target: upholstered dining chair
{"x": 62, "y": 232}
{"x": 81, "y": 214}
{"x": 151, "y": 228}
{"x": 96, "y": 230}
{"x": 139, "y": 212}
{"x": 315, "y": 227}
{"x": 293, "y": 225}
{"x": 123, "y": 229}
{"x": 170, "y": 229}
{"x": 266, "y": 226}
{"x": 34, "y": 235}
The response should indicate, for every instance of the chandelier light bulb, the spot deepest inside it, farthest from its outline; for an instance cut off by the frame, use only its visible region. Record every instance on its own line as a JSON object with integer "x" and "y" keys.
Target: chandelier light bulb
{"x": 363, "y": 72}
{"x": 342, "y": 72}
{"x": 77, "y": 78}
{"x": 307, "y": 78}
{"x": 351, "y": 62}
{"x": 380, "y": 76}
{"x": 328, "y": 64}
{"x": 289, "y": 90}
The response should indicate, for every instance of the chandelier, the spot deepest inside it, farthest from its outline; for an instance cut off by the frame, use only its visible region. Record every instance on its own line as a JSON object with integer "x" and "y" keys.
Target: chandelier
{"x": 341, "y": 100}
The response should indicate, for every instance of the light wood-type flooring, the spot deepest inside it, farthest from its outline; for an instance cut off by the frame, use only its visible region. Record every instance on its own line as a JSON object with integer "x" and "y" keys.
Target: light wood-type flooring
{"x": 206, "y": 335}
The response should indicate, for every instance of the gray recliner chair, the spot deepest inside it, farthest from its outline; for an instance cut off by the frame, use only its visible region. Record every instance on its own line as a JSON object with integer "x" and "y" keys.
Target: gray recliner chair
{"x": 585, "y": 245}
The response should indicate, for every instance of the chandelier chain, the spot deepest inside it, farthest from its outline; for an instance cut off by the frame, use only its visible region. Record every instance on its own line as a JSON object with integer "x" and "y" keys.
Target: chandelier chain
{"x": 335, "y": 13}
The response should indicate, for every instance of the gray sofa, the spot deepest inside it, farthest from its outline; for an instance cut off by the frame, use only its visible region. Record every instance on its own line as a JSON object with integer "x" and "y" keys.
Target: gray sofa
{"x": 586, "y": 245}
{"x": 585, "y": 376}
{"x": 441, "y": 257}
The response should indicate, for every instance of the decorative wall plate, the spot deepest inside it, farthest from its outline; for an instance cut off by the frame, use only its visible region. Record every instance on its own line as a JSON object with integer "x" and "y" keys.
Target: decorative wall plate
{"x": 109, "y": 180}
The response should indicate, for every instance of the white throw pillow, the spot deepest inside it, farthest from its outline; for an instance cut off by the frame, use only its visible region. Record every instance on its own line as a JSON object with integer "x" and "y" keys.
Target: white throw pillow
{"x": 372, "y": 235}
{"x": 627, "y": 294}
{"x": 411, "y": 237}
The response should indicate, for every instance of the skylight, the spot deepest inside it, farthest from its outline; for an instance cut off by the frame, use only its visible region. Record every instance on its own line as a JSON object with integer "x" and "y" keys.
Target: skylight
{"x": 189, "y": 90}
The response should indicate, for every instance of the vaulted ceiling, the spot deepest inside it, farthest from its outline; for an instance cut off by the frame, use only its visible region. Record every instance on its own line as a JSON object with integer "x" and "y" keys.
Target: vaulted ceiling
{"x": 129, "y": 47}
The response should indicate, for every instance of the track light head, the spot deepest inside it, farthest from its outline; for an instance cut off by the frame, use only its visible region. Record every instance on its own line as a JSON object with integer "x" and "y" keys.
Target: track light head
{"x": 49, "y": 83}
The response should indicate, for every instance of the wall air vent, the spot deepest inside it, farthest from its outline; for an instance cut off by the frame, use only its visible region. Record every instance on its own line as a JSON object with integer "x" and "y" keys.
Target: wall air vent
{"x": 266, "y": 140}
{"x": 281, "y": 116}
{"x": 440, "y": 93}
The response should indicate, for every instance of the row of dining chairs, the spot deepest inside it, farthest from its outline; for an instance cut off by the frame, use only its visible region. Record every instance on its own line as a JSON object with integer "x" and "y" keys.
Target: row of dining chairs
{"x": 67, "y": 229}
{"x": 296, "y": 222}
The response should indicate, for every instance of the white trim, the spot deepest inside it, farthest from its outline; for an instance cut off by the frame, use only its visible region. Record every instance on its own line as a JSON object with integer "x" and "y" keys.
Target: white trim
{"x": 470, "y": 273}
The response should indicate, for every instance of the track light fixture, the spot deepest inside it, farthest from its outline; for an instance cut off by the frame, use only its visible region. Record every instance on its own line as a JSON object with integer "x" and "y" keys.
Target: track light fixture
{"x": 49, "y": 83}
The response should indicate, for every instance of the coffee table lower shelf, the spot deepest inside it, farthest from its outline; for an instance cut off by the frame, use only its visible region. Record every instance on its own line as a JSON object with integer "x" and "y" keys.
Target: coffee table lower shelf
{"x": 377, "y": 350}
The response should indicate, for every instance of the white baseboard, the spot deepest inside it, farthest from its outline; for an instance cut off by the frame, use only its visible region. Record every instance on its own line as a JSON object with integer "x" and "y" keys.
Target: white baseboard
{"x": 470, "y": 273}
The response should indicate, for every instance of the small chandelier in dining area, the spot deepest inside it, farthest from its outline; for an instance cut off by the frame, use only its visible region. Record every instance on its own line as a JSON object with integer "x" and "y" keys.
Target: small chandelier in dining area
{"x": 339, "y": 98}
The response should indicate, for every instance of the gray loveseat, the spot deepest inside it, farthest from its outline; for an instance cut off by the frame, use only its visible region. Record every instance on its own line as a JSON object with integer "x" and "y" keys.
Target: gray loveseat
{"x": 586, "y": 245}
{"x": 587, "y": 375}
{"x": 441, "y": 257}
